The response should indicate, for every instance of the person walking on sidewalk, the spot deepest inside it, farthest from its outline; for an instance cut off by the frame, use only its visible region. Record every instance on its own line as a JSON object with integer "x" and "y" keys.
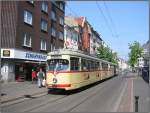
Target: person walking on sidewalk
{"x": 33, "y": 76}
{"x": 40, "y": 76}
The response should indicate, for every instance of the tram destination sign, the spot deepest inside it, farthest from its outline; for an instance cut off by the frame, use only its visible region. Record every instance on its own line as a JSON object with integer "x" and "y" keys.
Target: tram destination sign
{"x": 56, "y": 57}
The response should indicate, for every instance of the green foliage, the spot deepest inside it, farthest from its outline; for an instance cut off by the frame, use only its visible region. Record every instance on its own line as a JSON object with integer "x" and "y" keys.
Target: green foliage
{"x": 106, "y": 54}
{"x": 135, "y": 52}
{"x": 101, "y": 52}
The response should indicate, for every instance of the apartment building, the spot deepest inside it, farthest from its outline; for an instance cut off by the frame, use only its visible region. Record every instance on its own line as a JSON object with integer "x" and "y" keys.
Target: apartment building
{"x": 85, "y": 33}
{"x": 80, "y": 35}
{"x": 144, "y": 60}
{"x": 95, "y": 42}
{"x": 30, "y": 29}
{"x": 72, "y": 34}
{"x": 81, "y": 26}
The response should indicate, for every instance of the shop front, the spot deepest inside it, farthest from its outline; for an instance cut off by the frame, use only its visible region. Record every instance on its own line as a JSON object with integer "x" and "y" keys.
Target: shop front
{"x": 17, "y": 65}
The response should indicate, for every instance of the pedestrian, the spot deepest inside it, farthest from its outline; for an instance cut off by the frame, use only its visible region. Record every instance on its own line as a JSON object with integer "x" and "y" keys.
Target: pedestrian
{"x": 41, "y": 77}
{"x": 33, "y": 76}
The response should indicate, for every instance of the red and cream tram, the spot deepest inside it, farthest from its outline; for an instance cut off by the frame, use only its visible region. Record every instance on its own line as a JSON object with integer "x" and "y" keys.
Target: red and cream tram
{"x": 67, "y": 69}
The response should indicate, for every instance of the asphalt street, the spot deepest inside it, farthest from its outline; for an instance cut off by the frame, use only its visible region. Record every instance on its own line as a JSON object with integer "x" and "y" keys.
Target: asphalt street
{"x": 105, "y": 96}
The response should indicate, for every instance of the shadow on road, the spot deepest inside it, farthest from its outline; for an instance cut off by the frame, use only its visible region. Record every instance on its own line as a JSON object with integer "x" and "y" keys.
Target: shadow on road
{"x": 3, "y": 94}
{"x": 29, "y": 96}
{"x": 70, "y": 92}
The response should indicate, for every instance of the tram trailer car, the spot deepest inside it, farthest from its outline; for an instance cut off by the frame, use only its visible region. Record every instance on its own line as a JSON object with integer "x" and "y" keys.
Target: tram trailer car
{"x": 67, "y": 69}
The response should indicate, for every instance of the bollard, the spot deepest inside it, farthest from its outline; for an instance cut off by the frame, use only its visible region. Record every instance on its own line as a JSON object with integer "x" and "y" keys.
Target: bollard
{"x": 136, "y": 103}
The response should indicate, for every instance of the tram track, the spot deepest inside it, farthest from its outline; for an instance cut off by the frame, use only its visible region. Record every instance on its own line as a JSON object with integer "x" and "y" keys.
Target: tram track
{"x": 57, "y": 102}
{"x": 35, "y": 106}
{"x": 45, "y": 103}
{"x": 87, "y": 98}
{"x": 21, "y": 99}
{"x": 72, "y": 100}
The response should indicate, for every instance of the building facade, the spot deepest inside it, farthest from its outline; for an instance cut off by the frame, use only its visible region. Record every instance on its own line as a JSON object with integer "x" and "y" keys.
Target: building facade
{"x": 97, "y": 41}
{"x": 88, "y": 39}
{"x": 30, "y": 29}
{"x": 72, "y": 37}
{"x": 122, "y": 64}
{"x": 143, "y": 61}
{"x": 146, "y": 54}
{"x": 85, "y": 35}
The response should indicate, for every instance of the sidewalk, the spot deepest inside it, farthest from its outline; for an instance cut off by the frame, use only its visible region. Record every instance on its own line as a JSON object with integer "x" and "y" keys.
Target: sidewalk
{"x": 126, "y": 104}
{"x": 141, "y": 89}
{"x": 136, "y": 86}
{"x": 16, "y": 90}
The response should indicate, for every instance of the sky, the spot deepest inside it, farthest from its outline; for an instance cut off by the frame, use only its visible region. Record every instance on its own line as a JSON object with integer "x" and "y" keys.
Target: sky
{"x": 118, "y": 22}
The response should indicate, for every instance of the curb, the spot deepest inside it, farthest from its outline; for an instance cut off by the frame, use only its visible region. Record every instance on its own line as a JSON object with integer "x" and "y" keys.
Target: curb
{"x": 20, "y": 97}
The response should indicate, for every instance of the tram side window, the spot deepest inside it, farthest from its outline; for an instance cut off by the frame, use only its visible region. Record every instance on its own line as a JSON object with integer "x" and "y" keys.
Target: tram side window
{"x": 112, "y": 67}
{"x": 89, "y": 65}
{"x": 74, "y": 63}
{"x": 97, "y": 66}
{"x": 92, "y": 65}
{"x": 84, "y": 64}
{"x": 104, "y": 66}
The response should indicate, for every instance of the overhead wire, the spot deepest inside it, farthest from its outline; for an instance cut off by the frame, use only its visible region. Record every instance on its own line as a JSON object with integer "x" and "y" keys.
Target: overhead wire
{"x": 70, "y": 14}
{"x": 74, "y": 12}
{"x": 106, "y": 21}
{"x": 111, "y": 20}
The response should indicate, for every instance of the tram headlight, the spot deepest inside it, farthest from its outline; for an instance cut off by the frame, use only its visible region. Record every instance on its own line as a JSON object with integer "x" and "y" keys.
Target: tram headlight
{"x": 54, "y": 80}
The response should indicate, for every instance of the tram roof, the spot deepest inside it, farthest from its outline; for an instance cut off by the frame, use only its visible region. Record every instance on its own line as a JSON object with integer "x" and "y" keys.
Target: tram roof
{"x": 75, "y": 53}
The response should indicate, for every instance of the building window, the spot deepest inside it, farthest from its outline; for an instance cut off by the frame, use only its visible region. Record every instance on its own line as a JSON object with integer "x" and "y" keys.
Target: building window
{"x": 45, "y": 6}
{"x": 53, "y": 15}
{"x": 43, "y": 45}
{"x": 27, "y": 40}
{"x": 28, "y": 17}
{"x": 61, "y": 6}
{"x": 53, "y": 32}
{"x": 61, "y": 20}
{"x": 44, "y": 25}
{"x": 61, "y": 35}
{"x": 52, "y": 47}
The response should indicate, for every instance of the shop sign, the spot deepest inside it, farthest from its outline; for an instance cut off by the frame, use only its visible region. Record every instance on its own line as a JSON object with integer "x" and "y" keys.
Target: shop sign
{"x": 26, "y": 55}
{"x": 6, "y": 53}
{"x": 35, "y": 56}
{"x": 30, "y": 55}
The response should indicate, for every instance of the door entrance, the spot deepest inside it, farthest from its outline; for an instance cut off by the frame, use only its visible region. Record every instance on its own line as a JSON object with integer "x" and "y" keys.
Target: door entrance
{"x": 23, "y": 71}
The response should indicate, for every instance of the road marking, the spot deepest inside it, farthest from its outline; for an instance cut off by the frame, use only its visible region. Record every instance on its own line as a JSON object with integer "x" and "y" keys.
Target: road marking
{"x": 131, "y": 95}
{"x": 119, "y": 98}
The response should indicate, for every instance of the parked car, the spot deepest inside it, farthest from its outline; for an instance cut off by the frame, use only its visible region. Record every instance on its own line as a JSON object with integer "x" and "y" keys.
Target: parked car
{"x": 145, "y": 73}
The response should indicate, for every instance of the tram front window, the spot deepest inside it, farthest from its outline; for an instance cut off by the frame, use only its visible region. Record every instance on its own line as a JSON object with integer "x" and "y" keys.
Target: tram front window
{"x": 58, "y": 64}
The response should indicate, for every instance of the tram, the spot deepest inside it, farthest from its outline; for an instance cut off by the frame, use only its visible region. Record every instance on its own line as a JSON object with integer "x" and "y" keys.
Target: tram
{"x": 67, "y": 69}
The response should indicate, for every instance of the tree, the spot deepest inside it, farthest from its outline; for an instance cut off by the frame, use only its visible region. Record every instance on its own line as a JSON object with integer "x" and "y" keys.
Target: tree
{"x": 135, "y": 52}
{"x": 114, "y": 58}
{"x": 101, "y": 52}
{"x": 106, "y": 54}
